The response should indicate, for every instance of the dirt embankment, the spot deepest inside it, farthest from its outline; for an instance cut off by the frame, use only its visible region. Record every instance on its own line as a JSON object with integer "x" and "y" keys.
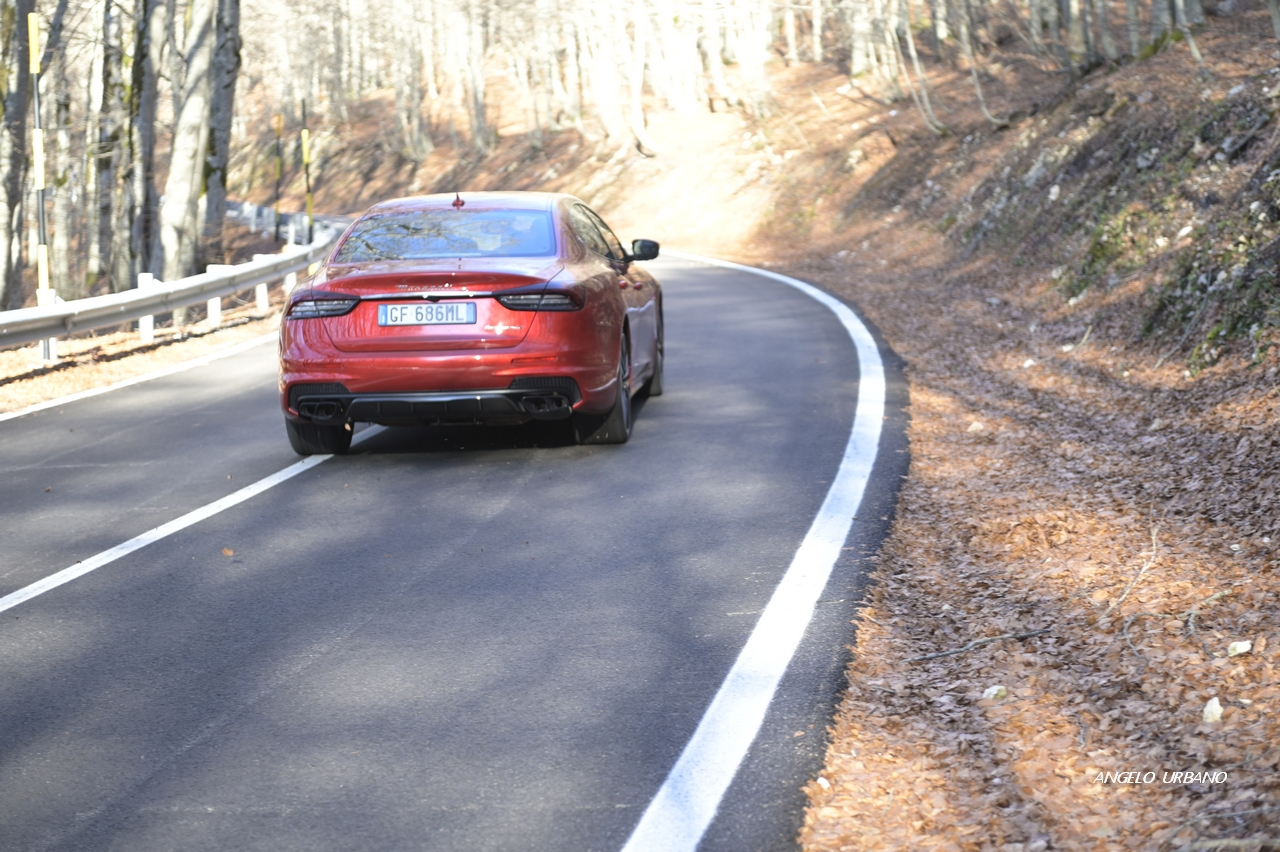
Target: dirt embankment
{"x": 1081, "y": 580}
{"x": 1086, "y": 302}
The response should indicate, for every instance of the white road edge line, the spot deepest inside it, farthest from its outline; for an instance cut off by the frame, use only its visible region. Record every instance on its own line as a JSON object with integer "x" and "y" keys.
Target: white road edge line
{"x": 145, "y": 377}
{"x": 685, "y": 805}
{"x": 66, "y": 575}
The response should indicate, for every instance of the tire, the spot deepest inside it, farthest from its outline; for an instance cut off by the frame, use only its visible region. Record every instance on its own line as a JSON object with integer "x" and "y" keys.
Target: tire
{"x": 614, "y": 427}
{"x": 311, "y": 439}
{"x": 653, "y": 387}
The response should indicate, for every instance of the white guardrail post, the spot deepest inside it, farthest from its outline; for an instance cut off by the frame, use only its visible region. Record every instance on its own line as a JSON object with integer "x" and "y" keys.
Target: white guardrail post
{"x": 47, "y": 297}
{"x": 147, "y": 324}
{"x": 213, "y": 308}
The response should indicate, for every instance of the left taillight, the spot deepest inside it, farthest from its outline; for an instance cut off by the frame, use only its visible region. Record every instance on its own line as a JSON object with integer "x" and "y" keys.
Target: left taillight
{"x": 334, "y": 306}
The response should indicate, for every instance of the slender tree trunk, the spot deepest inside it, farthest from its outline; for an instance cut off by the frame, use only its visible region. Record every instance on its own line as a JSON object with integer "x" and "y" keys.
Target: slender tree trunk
{"x": 60, "y": 242}
{"x": 481, "y": 137}
{"x": 573, "y": 75}
{"x": 179, "y": 223}
{"x": 1161, "y": 18}
{"x": 1273, "y": 6}
{"x": 226, "y": 71}
{"x": 1075, "y": 30}
{"x": 152, "y": 34}
{"x": 1133, "y": 24}
{"x": 817, "y": 30}
{"x": 789, "y": 33}
{"x": 753, "y": 44}
{"x": 1036, "y": 25}
{"x": 938, "y": 15}
{"x": 966, "y": 25}
{"x": 93, "y": 250}
{"x": 1104, "y": 30}
{"x": 930, "y": 118}
{"x": 635, "y": 78}
{"x": 112, "y": 143}
{"x": 712, "y": 46}
{"x": 13, "y": 154}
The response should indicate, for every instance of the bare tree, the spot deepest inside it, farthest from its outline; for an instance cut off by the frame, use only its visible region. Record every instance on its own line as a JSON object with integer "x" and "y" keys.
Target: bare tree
{"x": 179, "y": 212}
{"x": 225, "y": 72}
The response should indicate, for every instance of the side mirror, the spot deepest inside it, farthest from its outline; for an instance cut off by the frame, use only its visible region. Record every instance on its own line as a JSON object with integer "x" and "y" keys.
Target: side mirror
{"x": 643, "y": 250}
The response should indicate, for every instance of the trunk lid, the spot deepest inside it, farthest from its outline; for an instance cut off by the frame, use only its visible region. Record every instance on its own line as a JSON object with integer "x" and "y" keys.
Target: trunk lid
{"x": 396, "y": 291}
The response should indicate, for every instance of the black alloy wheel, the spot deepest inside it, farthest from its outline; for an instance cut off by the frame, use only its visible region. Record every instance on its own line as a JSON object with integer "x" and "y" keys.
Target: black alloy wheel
{"x": 614, "y": 427}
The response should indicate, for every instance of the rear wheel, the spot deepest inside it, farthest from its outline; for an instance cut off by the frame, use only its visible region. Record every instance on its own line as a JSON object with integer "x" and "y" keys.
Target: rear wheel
{"x": 614, "y": 427}
{"x": 312, "y": 439}
{"x": 653, "y": 387}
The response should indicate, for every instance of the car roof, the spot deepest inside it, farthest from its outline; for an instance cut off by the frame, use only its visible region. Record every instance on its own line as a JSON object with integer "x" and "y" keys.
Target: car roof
{"x": 475, "y": 201}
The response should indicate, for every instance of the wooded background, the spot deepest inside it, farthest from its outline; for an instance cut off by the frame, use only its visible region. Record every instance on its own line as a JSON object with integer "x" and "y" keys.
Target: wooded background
{"x": 143, "y": 100}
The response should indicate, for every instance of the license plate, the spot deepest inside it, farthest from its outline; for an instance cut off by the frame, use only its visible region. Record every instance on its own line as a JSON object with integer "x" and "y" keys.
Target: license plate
{"x": 437, "y": 313}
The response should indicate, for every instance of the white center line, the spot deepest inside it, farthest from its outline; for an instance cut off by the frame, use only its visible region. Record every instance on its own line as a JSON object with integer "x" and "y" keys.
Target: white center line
{"x": 66, "y": 575}
{"x": 685, "y": 805}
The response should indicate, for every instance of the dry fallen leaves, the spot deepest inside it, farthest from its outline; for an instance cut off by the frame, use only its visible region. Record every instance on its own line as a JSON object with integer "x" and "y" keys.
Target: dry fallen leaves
{"x": 1116, "y": 515}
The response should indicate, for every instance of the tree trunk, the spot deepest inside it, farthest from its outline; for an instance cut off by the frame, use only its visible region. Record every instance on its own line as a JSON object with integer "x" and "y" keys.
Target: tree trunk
{"x": 712, "y": 46}
{"x": 1075, "y": 30}
{"x": 1104, "y": 30}
{"x": 152, "y": 33}
{"x": 226, "y": 70}
{"x": 1131, "y": 19}
{"x": 1036, "y": 26}
{"x": 789, "y": 33}
{"x": 179, "y": 223}
{"x": 112, "y": 143}
{"x": 60, "y": 241}
{"x": 13, "y": 154}
{"x": 481, "y": 137}
{"x": 817, "y": 30}
{"x": 753, "y": 46}
{"x": 1161, "y": 18}
{"x": 938, "y": 13}
{"x": 635, "y": 78}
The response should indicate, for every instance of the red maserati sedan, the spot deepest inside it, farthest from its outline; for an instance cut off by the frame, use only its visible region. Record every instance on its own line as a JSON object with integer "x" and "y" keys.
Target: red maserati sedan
{"x": 499, "y": 307}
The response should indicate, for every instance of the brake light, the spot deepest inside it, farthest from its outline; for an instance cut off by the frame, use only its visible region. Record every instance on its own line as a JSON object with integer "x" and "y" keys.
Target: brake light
{"x": 312, "y": 308}
{"x": 558, "y": 300}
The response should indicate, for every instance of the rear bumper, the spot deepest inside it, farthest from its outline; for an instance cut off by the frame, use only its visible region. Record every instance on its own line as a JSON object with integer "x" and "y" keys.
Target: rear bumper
{"x": 528, "y": 398}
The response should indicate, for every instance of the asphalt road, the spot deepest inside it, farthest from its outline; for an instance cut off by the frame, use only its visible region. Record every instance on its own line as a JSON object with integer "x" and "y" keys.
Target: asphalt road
{"x": 453, "y": 639}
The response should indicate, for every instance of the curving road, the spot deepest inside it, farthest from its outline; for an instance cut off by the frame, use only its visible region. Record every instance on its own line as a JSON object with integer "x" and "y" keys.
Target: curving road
{"x": 451, "y": 639}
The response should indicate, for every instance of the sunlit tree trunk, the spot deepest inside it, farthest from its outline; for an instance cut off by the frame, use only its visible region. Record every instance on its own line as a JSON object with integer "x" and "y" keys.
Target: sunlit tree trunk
{"x": 789, "y": 33}
{"x": 226, "y": 71}
{"x": 1104, "y": 30}
{"x": 113, "y": 160}
{"x": 13, "y": 156}
{"x": 61, "y": 183}
{"x": 817, "y": 30}
{"x": 179, "y": 212}
{"x": 1133, "y": 24}
{"x": 152, "y": 33}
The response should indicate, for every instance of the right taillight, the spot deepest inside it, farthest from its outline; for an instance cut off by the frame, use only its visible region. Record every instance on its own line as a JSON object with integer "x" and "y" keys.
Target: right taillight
{"x": 554, "y": 300}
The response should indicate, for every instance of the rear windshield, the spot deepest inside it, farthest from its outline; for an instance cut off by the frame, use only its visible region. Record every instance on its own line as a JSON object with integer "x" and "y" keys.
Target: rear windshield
{"x": 449, "y": 233}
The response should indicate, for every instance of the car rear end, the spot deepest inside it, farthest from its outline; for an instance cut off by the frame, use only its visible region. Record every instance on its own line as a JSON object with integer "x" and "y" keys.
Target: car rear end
{"x": 497, "y": 330}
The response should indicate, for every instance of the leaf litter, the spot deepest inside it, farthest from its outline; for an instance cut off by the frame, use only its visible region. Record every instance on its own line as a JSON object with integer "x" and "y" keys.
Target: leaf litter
{"x": 1068, "y": 638}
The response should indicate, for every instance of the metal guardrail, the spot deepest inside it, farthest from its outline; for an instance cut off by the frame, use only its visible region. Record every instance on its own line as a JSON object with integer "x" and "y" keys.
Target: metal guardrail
{"x": 27, "y": 325}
